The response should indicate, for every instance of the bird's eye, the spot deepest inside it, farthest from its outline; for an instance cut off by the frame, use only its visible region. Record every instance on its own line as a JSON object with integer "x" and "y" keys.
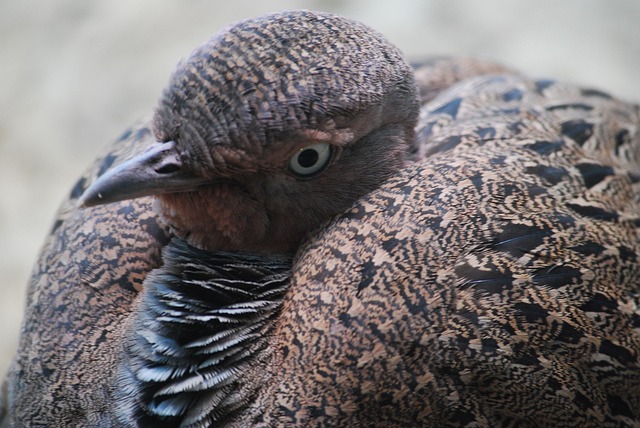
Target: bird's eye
{"x": 311, "y": 160}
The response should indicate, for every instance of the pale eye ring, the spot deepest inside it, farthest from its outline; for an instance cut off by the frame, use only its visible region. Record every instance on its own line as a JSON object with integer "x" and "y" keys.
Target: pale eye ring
{"x": 311, "y": 160}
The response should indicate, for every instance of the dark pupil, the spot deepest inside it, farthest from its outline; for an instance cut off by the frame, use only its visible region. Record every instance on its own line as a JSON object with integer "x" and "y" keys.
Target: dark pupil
{"x": 308, "y": 158}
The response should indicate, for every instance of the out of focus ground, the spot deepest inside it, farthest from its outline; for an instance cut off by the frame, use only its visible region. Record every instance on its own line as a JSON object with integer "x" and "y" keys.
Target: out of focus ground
{"x": 74, "y": 74}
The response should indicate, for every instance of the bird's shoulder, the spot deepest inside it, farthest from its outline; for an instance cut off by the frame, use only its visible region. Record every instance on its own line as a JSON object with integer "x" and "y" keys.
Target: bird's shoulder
{"x": 505, "y": 260}
{"x": 109, "y": 240}
{"x": 89, "y": 271}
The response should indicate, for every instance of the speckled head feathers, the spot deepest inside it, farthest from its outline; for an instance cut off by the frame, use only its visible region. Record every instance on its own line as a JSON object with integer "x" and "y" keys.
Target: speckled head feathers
{"x": 264, "y": 80}
{"x": 270, "y": 128}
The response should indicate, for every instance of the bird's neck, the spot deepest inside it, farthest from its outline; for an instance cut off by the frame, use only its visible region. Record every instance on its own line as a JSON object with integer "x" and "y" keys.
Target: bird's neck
{"x": 218, "y": 218}
{"x": 203, "y": 322}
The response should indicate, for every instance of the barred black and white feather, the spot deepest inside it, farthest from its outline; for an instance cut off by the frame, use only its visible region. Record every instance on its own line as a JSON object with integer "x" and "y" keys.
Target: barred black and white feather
{"x": 203, "y": 319}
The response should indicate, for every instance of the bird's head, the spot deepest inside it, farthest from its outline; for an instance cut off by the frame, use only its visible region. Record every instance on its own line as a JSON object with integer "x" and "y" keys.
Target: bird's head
{"x": 270, "y": 128}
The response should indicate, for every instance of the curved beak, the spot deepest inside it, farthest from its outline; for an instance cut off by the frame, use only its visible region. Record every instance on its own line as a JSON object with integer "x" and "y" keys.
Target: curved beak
{"x": 158, "y": 170}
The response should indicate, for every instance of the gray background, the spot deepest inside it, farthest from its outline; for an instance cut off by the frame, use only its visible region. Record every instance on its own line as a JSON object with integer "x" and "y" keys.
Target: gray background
{"x": 75, "y": 73}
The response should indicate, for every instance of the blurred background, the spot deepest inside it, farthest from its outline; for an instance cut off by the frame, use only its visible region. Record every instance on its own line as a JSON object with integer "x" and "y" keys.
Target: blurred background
{"x": 75, "y": 73}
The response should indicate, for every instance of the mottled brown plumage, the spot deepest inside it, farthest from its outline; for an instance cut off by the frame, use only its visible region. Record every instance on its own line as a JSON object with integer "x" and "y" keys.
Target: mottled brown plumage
{"x": 494, "y": 284}
{"x": 492, "y": 281}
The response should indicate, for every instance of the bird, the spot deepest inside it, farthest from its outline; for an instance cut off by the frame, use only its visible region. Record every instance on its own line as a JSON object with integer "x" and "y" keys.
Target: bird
{"x": 297, "y": 239}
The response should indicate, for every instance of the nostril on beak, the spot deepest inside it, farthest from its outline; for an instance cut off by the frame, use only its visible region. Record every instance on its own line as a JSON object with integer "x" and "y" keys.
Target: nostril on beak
{"x": 168, "y": 168}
